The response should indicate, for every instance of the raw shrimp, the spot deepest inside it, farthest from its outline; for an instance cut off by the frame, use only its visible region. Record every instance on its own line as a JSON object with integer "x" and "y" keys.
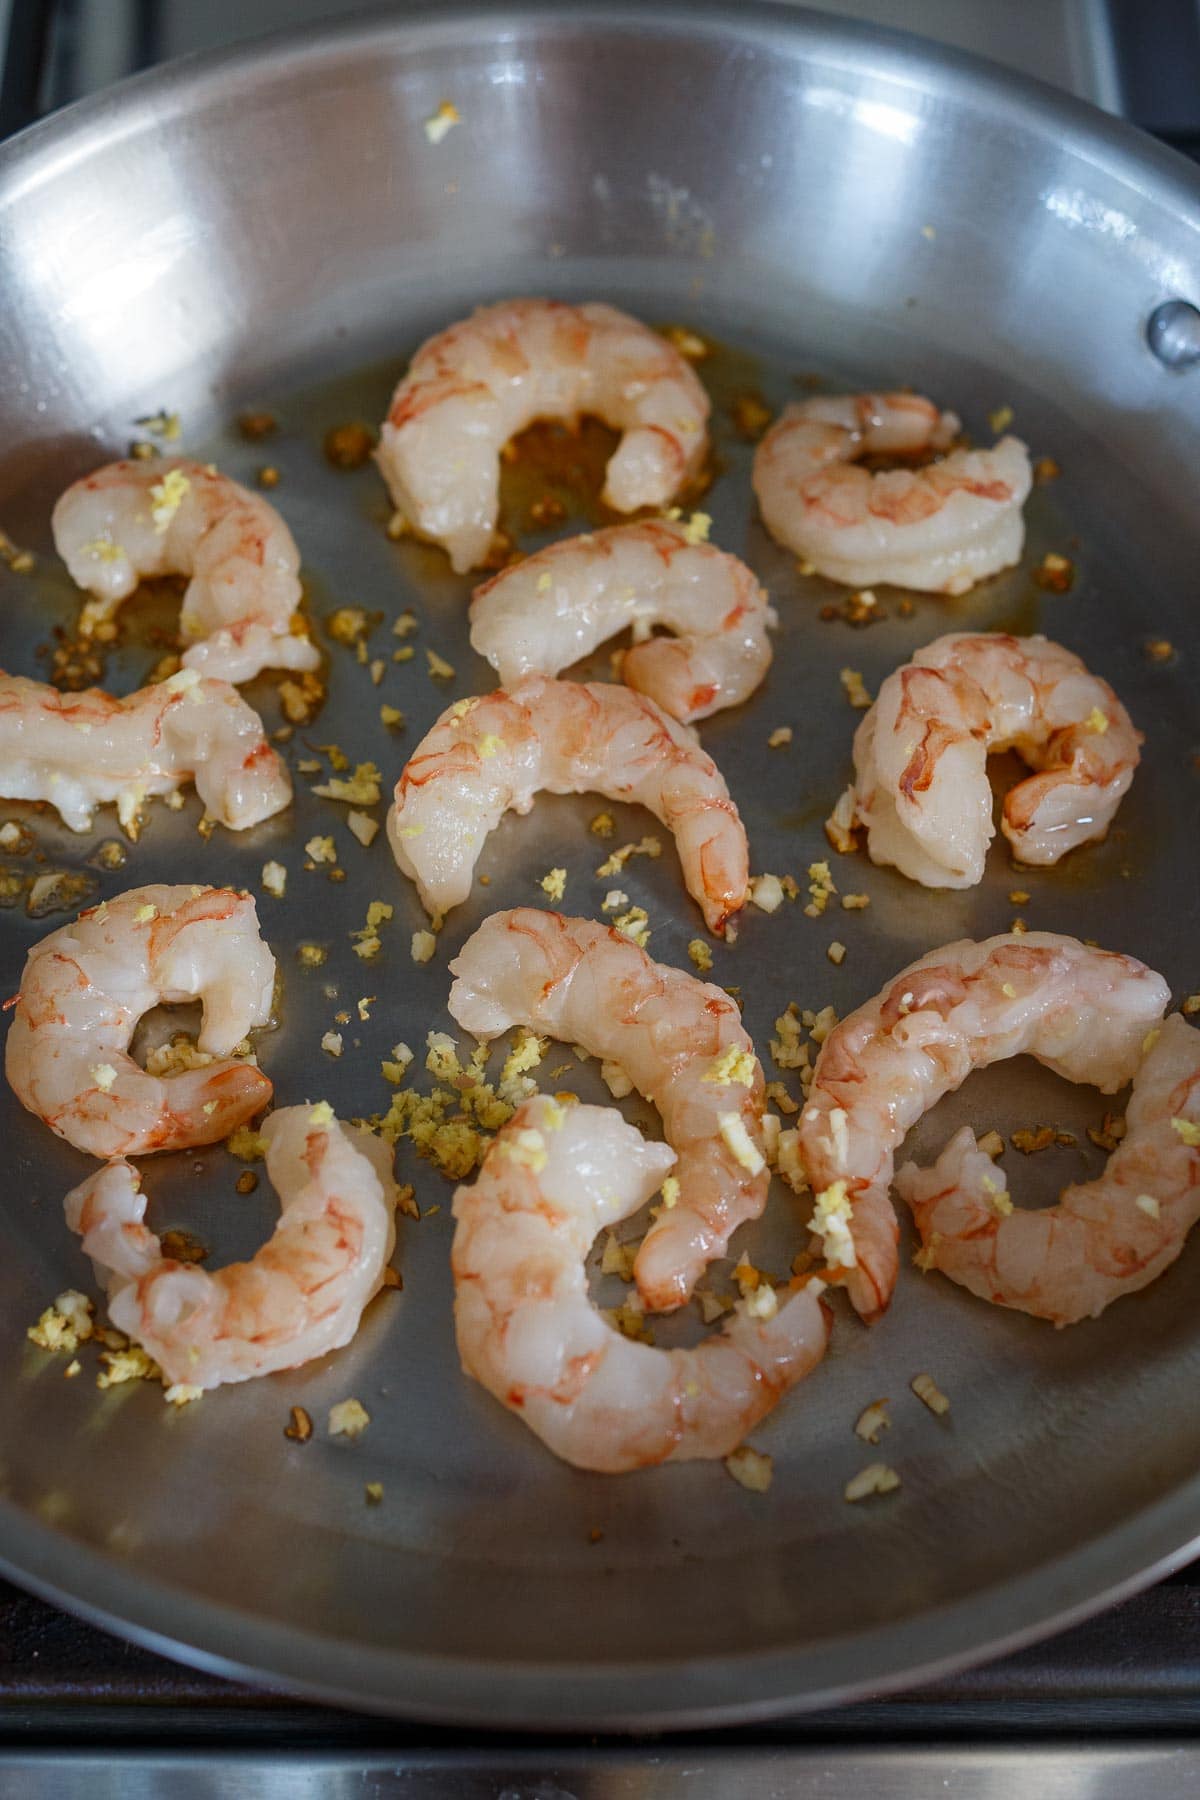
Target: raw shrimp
{"x": 941, "y": 528}
{"x": 678, "y": 1040}
{"x": 301, "y": 1296}
{"x": 86, "y": 986}
{"x": 80, "y": 751}
{"x": 1083, "y": 1013}
{"x": 527, "y": 1330}
{"x": 547, "y": 611}
{"x": 487, "y": 756}
{"x": 920, "y": 756}
{"x": 1105, "y": 1238}
{"x": 174, "y": 517}
{"x": 486, "y": 378}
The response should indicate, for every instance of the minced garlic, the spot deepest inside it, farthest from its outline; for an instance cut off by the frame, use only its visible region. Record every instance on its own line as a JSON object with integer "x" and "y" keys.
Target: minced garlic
{"x": 349, "y": 1418}
{"x": 554, "y": 883}
{"x": 166, "y": 497}
{"x": 66, "y": 1324}
{"x": 872, "y": 1422}
{"x": 700, "y": 955}
{"x": 927, "y": 1390}
{"x": 615, "y": 1080}
{"x": 360, "y": 789}
{"x": 739, "y": 1143}
{"x": 439, "y": 124}
{"x": 364, "y": 828}
{"x": 876, "y": 1478}
{"x": 439, "y": 668}
{"x": 331, "y": 1043}
{"x": 751, "y": 1469}
{"x": 766, "y": 892}
{"x": 831, "y": 1216}
{"x": 854, "y": 689}
{"x": 780, "y": 737}
{"x": 734, "y": 1066}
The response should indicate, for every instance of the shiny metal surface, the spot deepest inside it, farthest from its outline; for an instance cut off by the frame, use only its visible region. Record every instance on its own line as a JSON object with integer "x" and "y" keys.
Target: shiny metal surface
{"x": 1073, "y": 1771}
{"x": 273, "y": 228}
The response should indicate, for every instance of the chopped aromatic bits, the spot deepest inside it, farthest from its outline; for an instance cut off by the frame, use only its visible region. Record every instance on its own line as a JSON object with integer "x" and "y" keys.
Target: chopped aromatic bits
{"x": 836, "y": 952}
{"x": 311, "y": 956}
{"x": 274, "y": 879}
{"x": 821, "y": 888}
{"x": 700, "y": 955}
{"x": 299, "y": 1426}
{"x": 439, "y": 668}
{"x": 927, "y": 1390}
{"x": 876, "y": 1478}
{"x": 780, "y": 738}
{"x": 635, "y": 925}
{"x": 331, "y": 1043}
{"x": 439, "y": 124}
{"x": 872, "y": 1422}
{"x": 854, "y": 689}
{"x": 830, "y": 1222}
{"x": 423, "y": 946}
{"x": 739, "y": 1143}
{"x": 766, "y": 892}
{"x": 349, "y": 1418}
{"x": 361, "y": 789}
{"x": 1055, "y": 573}
{"x": 751, "y": 1469}
{"x": 613, "y": 865}
{"x": 603, "y": 825}
{"x": 734, "y": 1067}
{"x": 554, "y": 883}
{"x": 615, "y": 1080}
{"x": 66, "y": 1324}
{"x": 321, "y": 850}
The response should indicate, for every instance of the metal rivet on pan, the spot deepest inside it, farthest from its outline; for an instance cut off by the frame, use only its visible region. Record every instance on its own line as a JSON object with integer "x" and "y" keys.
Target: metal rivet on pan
{"x": 1173, "y": 333}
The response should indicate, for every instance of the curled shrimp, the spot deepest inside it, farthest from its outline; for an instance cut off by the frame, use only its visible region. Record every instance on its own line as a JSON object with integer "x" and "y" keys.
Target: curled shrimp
{"x": 175, "y": 517}
{"x": 554, "y": 1177}
{"x": 485, "y": 757}
{"x": 920, "y": 756}
{"x": 1083, "y": 1013}
{"x": 1104, "y": 1238}
{"x": 80, "y": 751}
{"x": 681, "y": 1043}
{"x": 940, "y": 528}
{"x": 301, "y": 1296}
{"x": 552, "y": 608}
{"x": 86, "y": 986}
{"x": 485, "y": 379}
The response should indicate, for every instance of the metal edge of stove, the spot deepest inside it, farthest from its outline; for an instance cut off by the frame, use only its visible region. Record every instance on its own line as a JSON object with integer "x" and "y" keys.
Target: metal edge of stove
{"x": 1166, "y": 1770}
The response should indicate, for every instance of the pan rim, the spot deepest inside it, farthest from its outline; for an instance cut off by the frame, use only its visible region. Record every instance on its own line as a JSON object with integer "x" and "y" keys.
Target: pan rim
{"x": 757, "y": 1686}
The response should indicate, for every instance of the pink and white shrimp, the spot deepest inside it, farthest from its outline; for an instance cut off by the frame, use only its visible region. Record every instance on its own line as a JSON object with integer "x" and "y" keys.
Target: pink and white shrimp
{"x": 1104, "y": 1238}
{"x": 489, "y": 756}
{"x": 679, "y": 1041}
{"x": 1083, "y": 1013}
{"x": 485, "y": 379}
{"x": 80, "y": 751}
{"x": 527, "y": 1330}
{"x": 941, "y": 528}
{"x": 920, "y": 756}
{"x": 301, "y": 1296}
{"x": 86, "y": 986}
{"x": 547, "y": 611}
{"x": 174, "y": 517}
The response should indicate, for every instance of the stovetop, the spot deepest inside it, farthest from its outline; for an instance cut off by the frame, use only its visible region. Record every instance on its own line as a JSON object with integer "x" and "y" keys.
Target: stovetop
{"x": 1108, "y": 1708}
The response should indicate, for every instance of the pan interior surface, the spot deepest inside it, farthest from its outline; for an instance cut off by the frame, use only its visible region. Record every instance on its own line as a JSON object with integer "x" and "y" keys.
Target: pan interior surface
{"x": 276, "y": 229}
